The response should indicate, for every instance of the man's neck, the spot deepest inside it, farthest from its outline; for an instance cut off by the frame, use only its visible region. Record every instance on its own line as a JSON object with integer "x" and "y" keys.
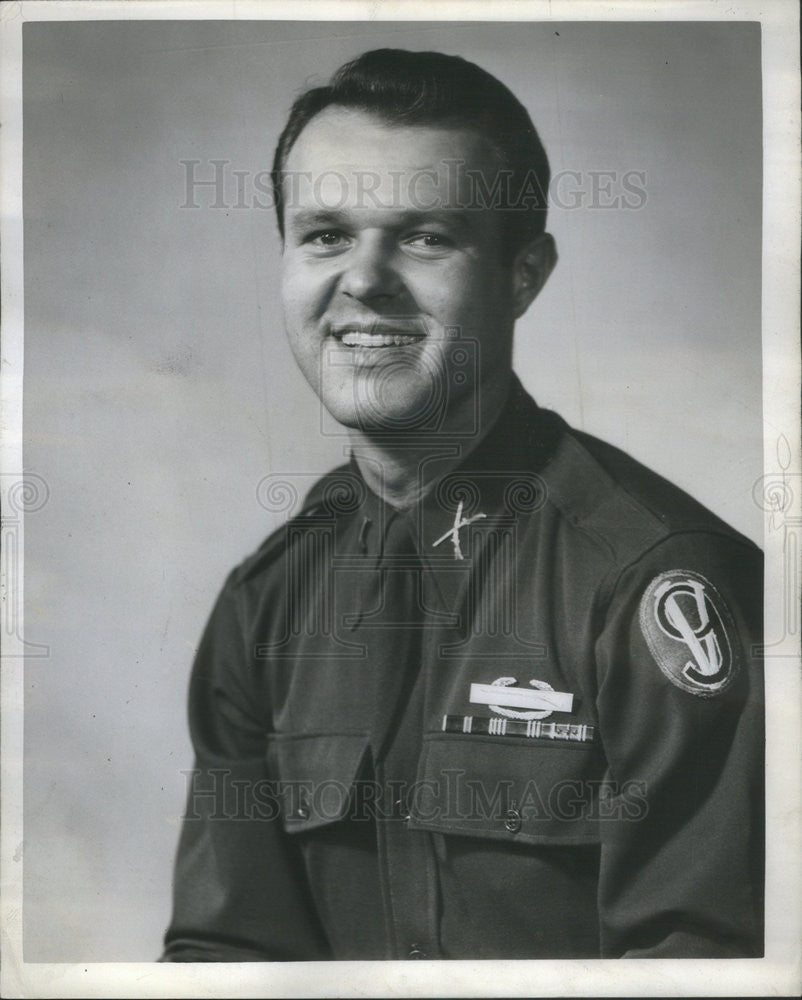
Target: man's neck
{"x": 403, "y": 469}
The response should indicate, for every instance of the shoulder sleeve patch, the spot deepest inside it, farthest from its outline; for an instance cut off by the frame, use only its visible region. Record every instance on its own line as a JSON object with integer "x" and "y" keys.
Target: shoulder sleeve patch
{"x": 690, "y": 632}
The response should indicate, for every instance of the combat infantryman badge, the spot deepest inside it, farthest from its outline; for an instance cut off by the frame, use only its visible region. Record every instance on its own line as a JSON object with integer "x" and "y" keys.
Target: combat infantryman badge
{"x": 687, "y": 627}
{"x": 504, "y": 699}
{"x": 453, "y": 531}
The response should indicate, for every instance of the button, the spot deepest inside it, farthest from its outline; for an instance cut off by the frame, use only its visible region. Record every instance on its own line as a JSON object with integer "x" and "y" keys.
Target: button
{"x": 415, "y": 951}
{"x": 513, "y": 821}
{"x": 399, "y": 809}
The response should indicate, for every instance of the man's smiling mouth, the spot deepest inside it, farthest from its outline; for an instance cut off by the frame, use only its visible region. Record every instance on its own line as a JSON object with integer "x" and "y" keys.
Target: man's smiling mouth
{"x": 356, "y": 339}
{"x": 376, "y": 335}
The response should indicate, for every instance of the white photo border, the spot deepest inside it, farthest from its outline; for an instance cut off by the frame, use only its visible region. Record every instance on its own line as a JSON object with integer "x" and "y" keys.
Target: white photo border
{"x": 779, "y": 971}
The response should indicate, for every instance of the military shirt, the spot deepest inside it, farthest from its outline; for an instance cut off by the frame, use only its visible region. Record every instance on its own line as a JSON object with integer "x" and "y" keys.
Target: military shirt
{"x": 361, "y": 791}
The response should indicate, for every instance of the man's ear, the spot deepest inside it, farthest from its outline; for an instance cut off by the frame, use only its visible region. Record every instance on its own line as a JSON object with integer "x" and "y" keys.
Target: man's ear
{"x": 530, "y": 270}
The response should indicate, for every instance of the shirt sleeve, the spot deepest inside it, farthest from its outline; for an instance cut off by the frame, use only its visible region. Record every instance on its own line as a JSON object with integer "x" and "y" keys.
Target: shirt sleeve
{"x": 681, "y": 718}
{"x": 240, "y": 891}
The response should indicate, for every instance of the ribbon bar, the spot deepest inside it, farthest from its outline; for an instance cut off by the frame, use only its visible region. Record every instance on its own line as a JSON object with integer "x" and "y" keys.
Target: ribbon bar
{"x": 532, "y": 729}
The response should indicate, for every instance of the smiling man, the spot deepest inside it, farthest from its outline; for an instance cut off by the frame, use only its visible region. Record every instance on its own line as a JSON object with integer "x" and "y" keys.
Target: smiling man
{"x": 494, "y": 691}
{"x": 402, "y": 273}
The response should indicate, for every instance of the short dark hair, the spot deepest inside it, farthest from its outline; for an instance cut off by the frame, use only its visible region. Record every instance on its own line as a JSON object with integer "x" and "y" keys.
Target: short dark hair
{"x": 430, "y": 88}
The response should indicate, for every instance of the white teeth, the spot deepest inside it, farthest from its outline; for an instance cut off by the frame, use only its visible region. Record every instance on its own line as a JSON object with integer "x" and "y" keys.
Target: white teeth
{"x": 355, "y": 338}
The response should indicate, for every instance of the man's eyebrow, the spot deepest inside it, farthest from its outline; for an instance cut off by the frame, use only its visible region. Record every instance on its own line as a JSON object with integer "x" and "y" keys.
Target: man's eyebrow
{"x": 314, "y": 217}
{"x": 453, "y": 218}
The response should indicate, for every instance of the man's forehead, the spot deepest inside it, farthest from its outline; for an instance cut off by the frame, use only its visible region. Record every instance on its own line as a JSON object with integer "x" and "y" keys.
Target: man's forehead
{"x": 346, "y": 157}
{"x": 352, "y": 139}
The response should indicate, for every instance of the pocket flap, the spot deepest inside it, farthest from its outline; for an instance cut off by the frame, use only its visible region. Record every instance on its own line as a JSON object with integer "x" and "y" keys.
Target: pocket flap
{"x": 504, "y": 789}
{"x": 316, "y": 775}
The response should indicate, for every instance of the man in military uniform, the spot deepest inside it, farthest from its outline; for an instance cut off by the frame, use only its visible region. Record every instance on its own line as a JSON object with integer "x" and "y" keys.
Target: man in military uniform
{"x": 494, "y": 691}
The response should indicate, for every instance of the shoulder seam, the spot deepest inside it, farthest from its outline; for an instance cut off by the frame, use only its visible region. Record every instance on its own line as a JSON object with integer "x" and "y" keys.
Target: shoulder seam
{"x": 610, "y": 587}
{"x": 582, "y": 519}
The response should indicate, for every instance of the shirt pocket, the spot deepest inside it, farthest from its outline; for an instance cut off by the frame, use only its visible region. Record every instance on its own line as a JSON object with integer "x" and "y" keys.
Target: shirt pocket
{"x": 522, "y": 792}
{"x": 315, "y": 776}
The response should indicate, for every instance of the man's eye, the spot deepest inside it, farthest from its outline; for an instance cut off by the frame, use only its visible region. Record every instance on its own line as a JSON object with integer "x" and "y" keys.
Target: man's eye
{"x": 430, "y": 241}
{"x": 329, "y": 238}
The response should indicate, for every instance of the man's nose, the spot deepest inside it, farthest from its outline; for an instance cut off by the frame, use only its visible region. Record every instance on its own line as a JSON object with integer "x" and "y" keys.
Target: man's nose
{"x": 369, "y": 270}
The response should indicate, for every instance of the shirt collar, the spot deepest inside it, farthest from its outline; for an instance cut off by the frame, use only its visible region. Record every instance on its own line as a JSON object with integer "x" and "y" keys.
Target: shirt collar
{"x": 498, "y": 478}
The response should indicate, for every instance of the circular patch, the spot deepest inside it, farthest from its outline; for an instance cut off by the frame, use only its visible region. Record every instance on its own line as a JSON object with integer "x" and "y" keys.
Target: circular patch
{"x": 690, "y": 632}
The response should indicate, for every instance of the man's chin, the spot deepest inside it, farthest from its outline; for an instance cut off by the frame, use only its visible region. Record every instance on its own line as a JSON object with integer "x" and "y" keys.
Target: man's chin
{"x": 402, "y": 418}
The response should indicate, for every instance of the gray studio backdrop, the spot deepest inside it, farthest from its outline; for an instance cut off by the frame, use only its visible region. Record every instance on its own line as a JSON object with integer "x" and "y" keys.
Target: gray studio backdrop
{"x": 159, "y": 391}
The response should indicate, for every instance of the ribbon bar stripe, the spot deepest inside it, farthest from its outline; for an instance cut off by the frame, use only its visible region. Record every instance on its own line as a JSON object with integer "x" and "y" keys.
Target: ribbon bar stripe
{"x": 515, "y": 697}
